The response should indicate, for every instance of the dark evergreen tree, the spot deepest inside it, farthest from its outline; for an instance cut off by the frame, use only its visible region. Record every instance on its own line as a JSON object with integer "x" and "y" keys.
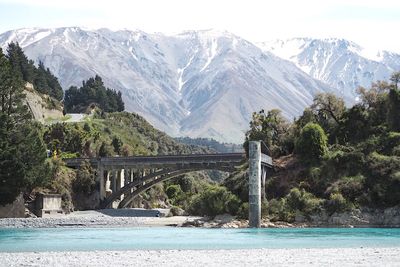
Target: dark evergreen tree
{"x": 93, "y": 92}
{"x": 41, "y": 78}
{"x": 22, "y": 151}
{"x": 393, "y": 114}
{"x": 117, "y": 144}
{"x": 20, "y": 64}
{"x": 105, "y": 150}
{"x": 120, "y": 102}
{"x": 46, "y": 83}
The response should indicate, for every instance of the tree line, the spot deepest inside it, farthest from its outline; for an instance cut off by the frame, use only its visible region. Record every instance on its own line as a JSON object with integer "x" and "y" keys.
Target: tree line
{"x": 332, "y": 158}
{"x": 41, "y": 77}
{"x": 93, "y": 93}
{"x": 23, "y": 164}
{"x": 24, "y": 144}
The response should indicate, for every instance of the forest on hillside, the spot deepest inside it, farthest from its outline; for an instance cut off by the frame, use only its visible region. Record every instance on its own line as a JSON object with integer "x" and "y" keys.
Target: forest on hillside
{"x": 332, "y": 158}
{"x": 92, "y": 94}
{"x": 40, "y": 76}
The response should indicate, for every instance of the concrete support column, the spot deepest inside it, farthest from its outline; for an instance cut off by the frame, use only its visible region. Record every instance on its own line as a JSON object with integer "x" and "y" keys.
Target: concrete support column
{"x": 100, "y": 178}
{"x": 263, "y": 180}
{"x": 114, "y": 181}
{"x": 126, "y": 177}
{"x": 108, "y": 183}
{"x": 132, "y": 177}
{"x": 122, "y": 181}
{"x": 254, "y": 184}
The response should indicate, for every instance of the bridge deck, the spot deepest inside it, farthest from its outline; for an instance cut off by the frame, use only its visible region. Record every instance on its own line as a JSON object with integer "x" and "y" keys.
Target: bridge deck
{"x": 164, "y": 160}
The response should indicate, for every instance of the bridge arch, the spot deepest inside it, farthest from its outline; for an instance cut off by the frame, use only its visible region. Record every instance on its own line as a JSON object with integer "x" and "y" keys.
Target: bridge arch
{"x": 133, "y": 189}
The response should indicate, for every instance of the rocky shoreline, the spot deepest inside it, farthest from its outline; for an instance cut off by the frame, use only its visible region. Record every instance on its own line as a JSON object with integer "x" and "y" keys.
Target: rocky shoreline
{"x": 139, "y": 217}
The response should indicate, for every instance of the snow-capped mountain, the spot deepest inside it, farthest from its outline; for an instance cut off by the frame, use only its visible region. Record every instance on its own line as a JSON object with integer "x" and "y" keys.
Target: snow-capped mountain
{"x": 342, "y": 64}
{"x": 198, "y": 83}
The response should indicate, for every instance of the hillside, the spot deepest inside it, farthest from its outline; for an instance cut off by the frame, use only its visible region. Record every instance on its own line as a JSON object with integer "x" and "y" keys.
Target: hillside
{"x": 334, "y": 164}
{"x": 134, "y": 134}
{"x": 43, "y": 107}
{"x": 118, "y": 134}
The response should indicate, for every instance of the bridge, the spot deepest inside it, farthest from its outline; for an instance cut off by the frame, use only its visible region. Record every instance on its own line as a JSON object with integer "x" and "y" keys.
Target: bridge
{"x": 121, "y": 179}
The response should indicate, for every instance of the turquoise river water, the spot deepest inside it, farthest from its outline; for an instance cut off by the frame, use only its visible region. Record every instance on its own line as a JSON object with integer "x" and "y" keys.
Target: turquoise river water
{"x": 86, "y": 239}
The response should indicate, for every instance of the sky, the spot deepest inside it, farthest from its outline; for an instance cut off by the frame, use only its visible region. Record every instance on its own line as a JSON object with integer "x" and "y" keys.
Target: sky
{"x": 372, "y": 24}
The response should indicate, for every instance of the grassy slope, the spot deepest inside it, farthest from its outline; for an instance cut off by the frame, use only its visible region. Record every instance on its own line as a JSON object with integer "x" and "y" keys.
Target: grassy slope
{"x": 136, "y": 132}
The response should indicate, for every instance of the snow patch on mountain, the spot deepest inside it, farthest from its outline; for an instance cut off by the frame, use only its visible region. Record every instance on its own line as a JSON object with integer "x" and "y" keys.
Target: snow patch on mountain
{"x": 340, "y": 63}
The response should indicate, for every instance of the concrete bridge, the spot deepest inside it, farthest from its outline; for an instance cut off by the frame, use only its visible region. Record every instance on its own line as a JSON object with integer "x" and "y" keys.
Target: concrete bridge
{"x": 121, "y": 179}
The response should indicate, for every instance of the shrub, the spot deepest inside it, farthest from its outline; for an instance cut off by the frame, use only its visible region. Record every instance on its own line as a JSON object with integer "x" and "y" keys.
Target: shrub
{"x": 174, "y": 191}
{"x": 187, "y": 184}
{"x": 336, "y": 203}
{"x": 126, "y": 150}
{"x": 243, "y": 211}
{"x": 85, "y": 179}
{"x": 87, "y": 127}
{"x": 311, "y": 145}
{"x": 176, "y": 211}
{"x": 303, "y": 201}
{"x": 214, "y": 200}
{"x": 105, "y": 150}
{"x": 278, "y": 210}
{"x": 350, "y": 187}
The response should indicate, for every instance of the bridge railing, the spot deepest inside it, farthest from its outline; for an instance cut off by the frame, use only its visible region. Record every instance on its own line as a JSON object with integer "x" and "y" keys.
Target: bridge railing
{"x": 164, "y": 159}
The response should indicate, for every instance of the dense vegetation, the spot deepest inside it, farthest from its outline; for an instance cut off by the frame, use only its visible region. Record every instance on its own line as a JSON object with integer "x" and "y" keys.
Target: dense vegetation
{"x": 111, "y": 134}
{"x": 211, "y": 144}
{"x": 126, "y": 134}
{"x": 93, "y": 93}
{"x": 23, "y": 164}
{"x": 41, "y": 77}
{"x": 332, "y": 158}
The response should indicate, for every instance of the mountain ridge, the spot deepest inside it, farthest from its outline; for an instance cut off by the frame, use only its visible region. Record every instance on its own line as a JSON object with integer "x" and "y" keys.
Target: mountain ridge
{"x": 195, "y": 83}
{"x": 341, "y": 63}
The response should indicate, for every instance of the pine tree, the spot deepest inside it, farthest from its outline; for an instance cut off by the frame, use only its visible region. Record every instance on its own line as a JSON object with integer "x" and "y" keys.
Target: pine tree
{"x": 393, "y": 114}
{"x": 46, "y": 83}
{"x": 20, "y": 65}
{"x": 22, "y": 151}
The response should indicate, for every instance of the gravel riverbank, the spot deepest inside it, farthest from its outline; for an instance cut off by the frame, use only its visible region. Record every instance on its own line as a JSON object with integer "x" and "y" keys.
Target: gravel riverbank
{"x": 248, "y": 257}
{"x": 100, "y": 218}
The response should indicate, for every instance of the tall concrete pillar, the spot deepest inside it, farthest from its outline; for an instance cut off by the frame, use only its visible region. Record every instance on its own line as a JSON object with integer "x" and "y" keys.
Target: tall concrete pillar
{"x": 108, "y": 184}
{"x": 126, "y": 177}
{"x": 114, "y": 181}
{"x": 122, "y": 181}
{"x": 254, "y": 184}
{"x": 100, "y": 178}
{"x": 263, "y": 180}
{"x": 132, "y": 177}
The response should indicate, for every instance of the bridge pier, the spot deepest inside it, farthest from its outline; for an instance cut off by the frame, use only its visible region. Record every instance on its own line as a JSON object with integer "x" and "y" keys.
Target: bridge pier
{"x": 121, "y": 182}
{"x": 255, "y": 184}
{"x": 263, "y": 180}
{"x": 108, "y": 183}
{"x": 100, "y": 177}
